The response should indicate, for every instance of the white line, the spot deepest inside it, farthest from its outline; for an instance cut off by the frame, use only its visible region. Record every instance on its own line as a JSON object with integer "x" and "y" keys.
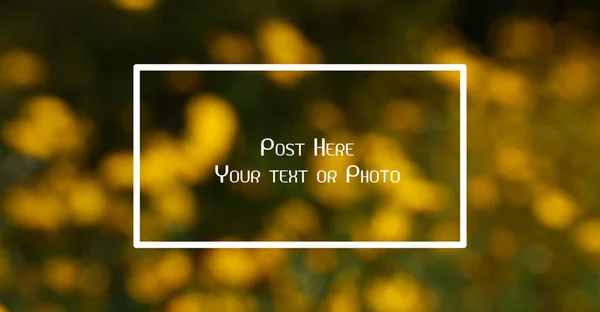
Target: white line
{"x": 300, "y": 67}
{"x": 463, "y": 156}
{"x": 307, "y": 244}
{"x": 136, "y": 156}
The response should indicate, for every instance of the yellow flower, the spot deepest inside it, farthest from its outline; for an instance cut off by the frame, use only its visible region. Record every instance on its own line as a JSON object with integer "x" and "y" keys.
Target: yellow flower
{"x": 176, "y": 207}
{"x": 21, "y": 68}
{"x": 117, "y": 170}
{"x": 555, "y": 209}
{"x": 35, "y": 209}
{"x": 46, "y": 128}
{"x": 421, "y": 196}
{"x": 232, "y": 267}
{"x": 380, "y": 152}
{"x": 343, "y": 300}
{"x": 231, "y": 48}
{"x": 87, "y": 202}
{"x": 162, "y": 164}
{"x": 280, "y": 42}
{"x": 483, "y": 192}
{"x": 145, "y": 285}
{"x": 187, "y": 302}
{"x": 398, "y": 293}
{"x": 3, "y": 308}
{"x": 523, "y": 38}
{"x": 574, "y": 78}
{"x": 229, "y": 302}
{"x": 458, "y": 55}
{"x": 513, "y": 163}
{"x": 135, "y": 5}
{"x": 509, "y": 89}
{"x": 390, "y": 224}
{"x": 212, "y": 127}
{"x": 60, "y": 274}
{"x": 338, "y": 194}
{"x": 586, "y": 236}
{"x": 175, "y": 269}
{"x": 446, "y": 231}
{"x": 270, "y": 261}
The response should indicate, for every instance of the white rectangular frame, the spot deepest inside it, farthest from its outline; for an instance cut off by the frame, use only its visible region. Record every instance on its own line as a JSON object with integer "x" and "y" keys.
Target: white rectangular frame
{"x": 461, "y": 68}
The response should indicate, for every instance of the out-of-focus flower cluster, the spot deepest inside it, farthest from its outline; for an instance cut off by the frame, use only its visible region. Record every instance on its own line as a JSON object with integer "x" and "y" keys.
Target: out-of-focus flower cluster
{"x": 533, "y": 134}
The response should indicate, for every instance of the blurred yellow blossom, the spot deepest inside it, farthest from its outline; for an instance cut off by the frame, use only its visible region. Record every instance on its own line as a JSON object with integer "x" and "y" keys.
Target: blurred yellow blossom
{"x": 175, "y": 269}
{"x": 226, "y": 301}
{"x": 161, "y": 164}
{"x": 555, "y": 209}
{"x": 152, "y": 279}
{"x": 509, "y": 89}
{"x": 87, "y": 202}
{"x": 586, "y": 236}
{"x": 46, "y": 128}
{"x": 574, "y": 77}
{"x": 35, "y": 209}
{"x": 60, "y": 274}
{"x": 176, "y": 207}
{"x": 390, "y": 224}
{"x": 21, "y": 68}
{"x": 187, "y": 302}
{"x": 280, "y": 42}
{"x": 397, "y": 293}
{"x": 421, "y": 196}
{"x": 232, "y": 267}
{"x": 135, "y": 5}
{"x": 444, "y": 231}
{"x": 231, "y": 48}
{"x": 514, "y": 163}
{"x": 413, "y": 192}
{"x": 212, "y": 127}
{"x": 334, "y": 195}
{"x": 523, "y": 38}
{"x": 117, "y": 170}
{"x": 483, "y": 192}
{"x": 144, "y": 284}
{"x": 476, "y": 68}
{"x": 3, "y": 308}
{"x": 345, "y": 299}
{"x": 270, "y": 261}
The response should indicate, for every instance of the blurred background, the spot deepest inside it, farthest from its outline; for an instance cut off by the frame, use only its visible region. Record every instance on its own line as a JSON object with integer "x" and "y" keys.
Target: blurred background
{"x": 66, "y": 155}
